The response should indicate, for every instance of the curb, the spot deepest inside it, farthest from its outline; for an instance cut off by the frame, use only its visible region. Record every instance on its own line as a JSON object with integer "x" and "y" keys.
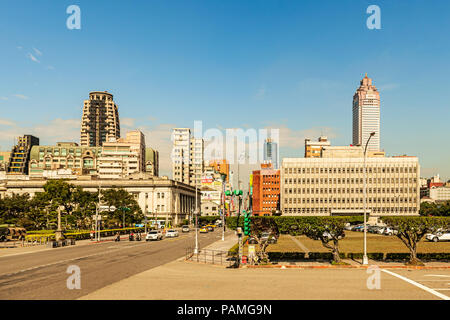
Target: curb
{"x": 348, "y": 267}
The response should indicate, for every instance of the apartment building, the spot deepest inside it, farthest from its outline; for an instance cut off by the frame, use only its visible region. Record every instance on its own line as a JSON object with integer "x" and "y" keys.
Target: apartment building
{"x": 334, "y": 186}
{"x": 122, "y": 157}
{"x": 100, "y": 120}
{"x": 19, "y": 159}
{"x": 187, "y": 157}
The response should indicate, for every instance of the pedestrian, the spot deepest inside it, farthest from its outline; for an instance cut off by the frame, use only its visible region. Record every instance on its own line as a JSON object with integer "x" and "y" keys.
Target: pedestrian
{"x": 92, "y": 235}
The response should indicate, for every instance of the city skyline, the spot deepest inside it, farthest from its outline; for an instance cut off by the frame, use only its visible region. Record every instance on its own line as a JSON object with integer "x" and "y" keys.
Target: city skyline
{"x": 156, "y": 84}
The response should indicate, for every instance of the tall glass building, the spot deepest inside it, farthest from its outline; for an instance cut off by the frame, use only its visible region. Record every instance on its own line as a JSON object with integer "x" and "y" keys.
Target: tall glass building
{"x": 271, "y": 152}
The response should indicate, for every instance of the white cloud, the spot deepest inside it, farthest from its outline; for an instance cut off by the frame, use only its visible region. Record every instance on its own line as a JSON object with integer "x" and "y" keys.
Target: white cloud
{"x": 21, "y": 96}
{"x": 5, "y": 122}
{"x": 39, "y": 53}
{"x": 3, "y": 98}
{"x": 57, "y": 130}
{"x": 33, "y": 58}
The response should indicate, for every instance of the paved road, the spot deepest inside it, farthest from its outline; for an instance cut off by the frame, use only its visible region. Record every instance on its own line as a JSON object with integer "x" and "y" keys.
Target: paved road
{"x": 42, "y": 275}
{"x": 187, "y": 280}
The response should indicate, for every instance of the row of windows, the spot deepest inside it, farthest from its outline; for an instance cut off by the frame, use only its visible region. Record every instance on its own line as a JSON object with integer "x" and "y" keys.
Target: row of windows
{"x": 350, "y": 200}
{"x": 346, "y": 190}
{"x": 327, "y": 210}
{"x": 348, "y": 180}
{"x": 351, "y": 170}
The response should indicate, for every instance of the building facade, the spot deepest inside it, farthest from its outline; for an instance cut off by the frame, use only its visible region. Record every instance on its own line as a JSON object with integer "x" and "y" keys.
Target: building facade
{"x": 438, "y": 194}
{"x": 187, "y": 157}
{"x": 271, "y": 152}
{"x": 100, "y": 120}
{"x": 157, "y": 197}
{"x": 65, "y": 156}
{"x": 19, "y": 160}
{"x": 366, "y": 115}
{"x": 334, "y": 186}
{"x": 313, "y": 149}
{"x": 122, "y": 157}
{"x": 265, "y": 191}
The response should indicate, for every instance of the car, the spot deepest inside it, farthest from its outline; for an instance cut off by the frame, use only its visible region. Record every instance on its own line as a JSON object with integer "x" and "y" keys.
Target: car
{"x": 185, "y": 228}
{"x": 328, "y": 235}
{"x": 154, "y": 235}
{"x": 203, "y": 230}
{"x": 387, "y": 231}
{"x": 212, "y": 225}
{"x": 210, "y": 228}
{"x": 265, "y": 236}
{"x": 171, "y": 233}
{"x": 358, "y": 228}
{"x": 443, "y": 235}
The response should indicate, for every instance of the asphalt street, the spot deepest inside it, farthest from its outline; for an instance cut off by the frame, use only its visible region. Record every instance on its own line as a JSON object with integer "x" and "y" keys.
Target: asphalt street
{"x": 43, "y": 275}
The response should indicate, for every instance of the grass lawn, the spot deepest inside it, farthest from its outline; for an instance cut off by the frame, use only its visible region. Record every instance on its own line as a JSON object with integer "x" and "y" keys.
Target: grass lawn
{"x": 353, "y": 242}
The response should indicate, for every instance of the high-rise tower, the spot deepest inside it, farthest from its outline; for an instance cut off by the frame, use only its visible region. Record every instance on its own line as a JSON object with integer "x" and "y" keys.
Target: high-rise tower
{"x": 271, "y": 152}
{"x": 366, "y": 115}
{"x": 100, "y": 119}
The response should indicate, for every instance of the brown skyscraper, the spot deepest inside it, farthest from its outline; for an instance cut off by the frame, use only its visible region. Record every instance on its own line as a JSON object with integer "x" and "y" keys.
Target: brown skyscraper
{"x": 100, "y": 120}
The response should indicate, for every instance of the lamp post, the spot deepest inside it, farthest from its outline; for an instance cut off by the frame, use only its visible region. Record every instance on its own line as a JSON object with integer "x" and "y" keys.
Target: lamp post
{"x": 224, "y": 177}
{"x": 365, "y": 259}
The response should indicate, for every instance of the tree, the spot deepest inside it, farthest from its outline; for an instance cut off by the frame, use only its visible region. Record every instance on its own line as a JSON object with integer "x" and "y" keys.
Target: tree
{"x": 85, "y": 207}
{"x": 410, "y": 230}
{"x": 329, "y": 230}
{"x": 120, "y": 198}
{"x": 12, "y": 208}
{"x": 260, "y": 225}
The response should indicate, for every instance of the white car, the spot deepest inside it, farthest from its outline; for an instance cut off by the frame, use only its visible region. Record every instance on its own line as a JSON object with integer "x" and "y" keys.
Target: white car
{"x": 154, "y": 235}
{"x": 438, "y": 236}
{"x": 185, "y": 228}
{"x": 171, "y": 233}
{"x": 387, "y": 231}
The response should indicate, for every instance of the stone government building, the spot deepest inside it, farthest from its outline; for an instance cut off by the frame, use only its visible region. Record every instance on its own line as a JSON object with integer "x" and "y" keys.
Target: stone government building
{"x": 157, "y": 197}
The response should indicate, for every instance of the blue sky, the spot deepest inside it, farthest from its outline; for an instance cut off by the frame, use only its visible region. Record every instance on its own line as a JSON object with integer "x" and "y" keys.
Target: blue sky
{"x": 293, "y": 65}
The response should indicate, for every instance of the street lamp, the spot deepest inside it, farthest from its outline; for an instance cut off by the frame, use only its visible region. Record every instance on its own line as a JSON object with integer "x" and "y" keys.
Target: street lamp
{"x": 365, "y": 259}
{"x": 224, "y": 177}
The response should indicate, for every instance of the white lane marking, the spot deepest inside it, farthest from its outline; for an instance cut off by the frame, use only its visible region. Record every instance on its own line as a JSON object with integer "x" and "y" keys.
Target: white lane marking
{"x": 432, "y": 291}
{"x": 436, "y": 275}
{"x": 441, "y": 289}
{"x": 63, "y": 261}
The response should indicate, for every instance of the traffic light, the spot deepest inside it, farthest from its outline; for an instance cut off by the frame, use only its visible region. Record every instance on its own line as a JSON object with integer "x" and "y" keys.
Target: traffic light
{"x": 247, "y": 223}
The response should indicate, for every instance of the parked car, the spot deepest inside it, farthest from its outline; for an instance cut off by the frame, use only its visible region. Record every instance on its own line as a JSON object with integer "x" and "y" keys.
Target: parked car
{"x": 210, "y": 228}
{"x": 265, "y": 236}
{"x": 154, "y": 235}
{"x": 358, "y": 228}
{"x": 328, "y": 235}
{"x": 387, "y": 231}
{"x": 203, "y": 230}
{"x": 443, "y": 235}
{"x": 212, "y": 225}
{"x": 171, "y": 233}
{"x": 185, "y": 228}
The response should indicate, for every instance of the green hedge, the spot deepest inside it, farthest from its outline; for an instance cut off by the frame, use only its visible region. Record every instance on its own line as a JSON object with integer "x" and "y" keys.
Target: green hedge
{"x": 379, "y": 256}
{"x": 442, "y": 256}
